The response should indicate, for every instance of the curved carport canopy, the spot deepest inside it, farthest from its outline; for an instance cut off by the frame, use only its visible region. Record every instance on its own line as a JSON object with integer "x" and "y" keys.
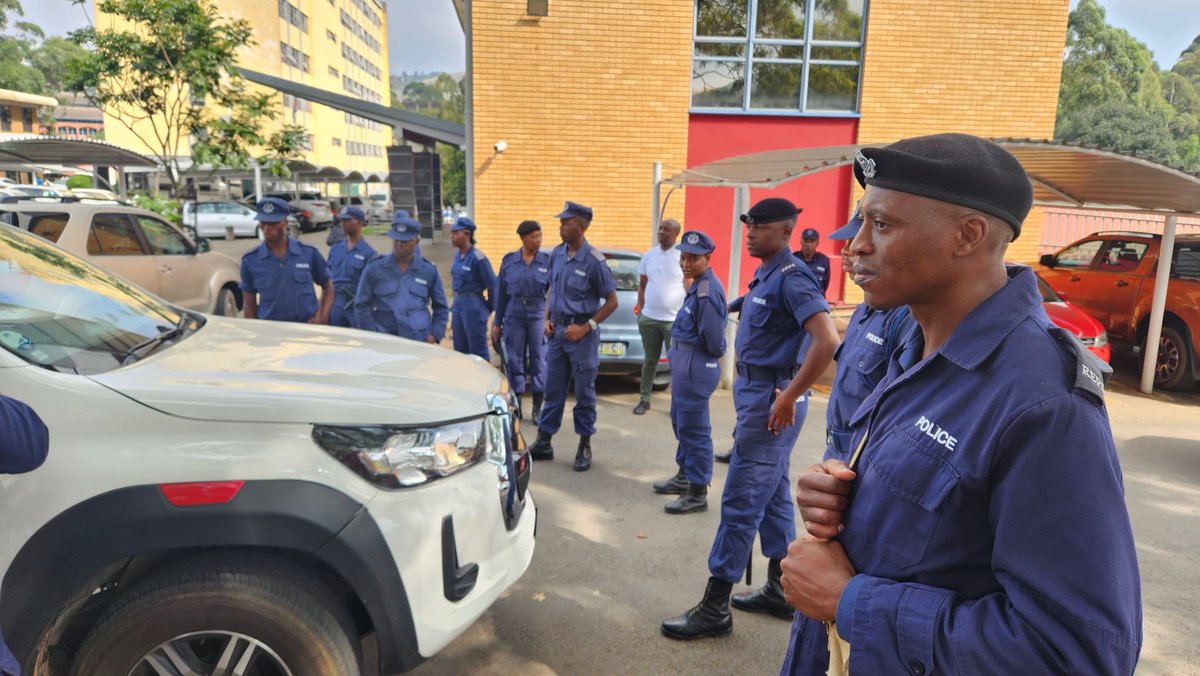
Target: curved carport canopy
{"x": 33, "y": 149}
{"x": 1062, "y": 174}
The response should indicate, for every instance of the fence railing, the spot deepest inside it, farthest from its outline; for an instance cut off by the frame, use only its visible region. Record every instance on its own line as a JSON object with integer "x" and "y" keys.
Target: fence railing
{"x": 1065, "y": 225}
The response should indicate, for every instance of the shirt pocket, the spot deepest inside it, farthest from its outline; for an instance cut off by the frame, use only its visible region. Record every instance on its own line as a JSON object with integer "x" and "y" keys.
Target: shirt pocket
{"x": 761, "y": 314}
{"x": 577, "y": 286}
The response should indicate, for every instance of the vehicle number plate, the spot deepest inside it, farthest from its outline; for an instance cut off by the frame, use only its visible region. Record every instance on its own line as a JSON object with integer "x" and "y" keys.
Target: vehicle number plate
{"x": 612, "y": 349}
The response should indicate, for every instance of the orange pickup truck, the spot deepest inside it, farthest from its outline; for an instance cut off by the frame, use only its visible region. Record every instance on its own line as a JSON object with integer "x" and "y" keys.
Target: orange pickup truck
{"x": 1111, "y": 275}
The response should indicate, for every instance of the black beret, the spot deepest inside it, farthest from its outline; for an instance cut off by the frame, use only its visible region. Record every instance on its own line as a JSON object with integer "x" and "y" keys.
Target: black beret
{"x": 527, "y": 227}
{"x": 954, "y": 168}
{"x": 770, "y": 210}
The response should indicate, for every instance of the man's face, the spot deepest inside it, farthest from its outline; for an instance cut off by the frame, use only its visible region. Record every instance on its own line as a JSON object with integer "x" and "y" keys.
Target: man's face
{"x": 668, "y": 232}
{"x": 847, "y": 259}
{"x": 808, "y": 247}
{"x": 274, "y": 233}
{"x": 532, "y": 240}
{"x": 693, "y": 265}
{"x": 572, "y": 228}
{"x": 904, "y": 251}
{"x": 404, "y": 249}
{"x": 764, "y": 240}
{"x": 352, "y": 226}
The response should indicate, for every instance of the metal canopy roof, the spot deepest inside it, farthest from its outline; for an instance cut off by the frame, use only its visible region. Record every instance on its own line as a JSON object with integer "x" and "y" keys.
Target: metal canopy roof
{"x": 72, "y": 151}
{"x": 1062, "y": 174}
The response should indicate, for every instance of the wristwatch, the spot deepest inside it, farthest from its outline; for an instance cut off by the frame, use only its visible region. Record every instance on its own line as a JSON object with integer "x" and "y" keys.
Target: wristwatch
{"x": 592, "y": 323}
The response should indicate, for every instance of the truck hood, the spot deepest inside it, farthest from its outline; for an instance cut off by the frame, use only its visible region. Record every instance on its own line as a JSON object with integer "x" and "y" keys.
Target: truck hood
{"x": 242, "y": 370}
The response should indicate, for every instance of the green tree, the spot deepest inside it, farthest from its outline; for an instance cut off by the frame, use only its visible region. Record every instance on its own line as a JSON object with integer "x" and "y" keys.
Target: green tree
{"x": 79, "y": 181}
{"x": 51, "y": 59}
{"x": 171, "y": 78}
{"x": 1123, "y": 126}
{"x": 1103, "y": 64}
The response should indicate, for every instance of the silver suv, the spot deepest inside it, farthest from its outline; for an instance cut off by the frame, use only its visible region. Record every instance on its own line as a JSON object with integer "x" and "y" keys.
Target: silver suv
{"x": 312, "y": 209}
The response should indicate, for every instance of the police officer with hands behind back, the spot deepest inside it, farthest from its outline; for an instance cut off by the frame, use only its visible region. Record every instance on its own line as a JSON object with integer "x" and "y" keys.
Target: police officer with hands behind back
{"x": 982, "y": 527}
{"x": 697, "y": 345}
{"x": 347, "y": 259}
{"x": 520, "y": 319}
{"x": 474, "y": 282}
{"x": 783, "y": 306}
{"x": 278, "y": 275}
{"x": 398, "y": 291}
{"x": 579, "y": 280}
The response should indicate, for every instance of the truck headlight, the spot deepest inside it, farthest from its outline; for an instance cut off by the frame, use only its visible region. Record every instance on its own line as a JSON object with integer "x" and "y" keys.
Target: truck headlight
{"x": 404, "y": 457}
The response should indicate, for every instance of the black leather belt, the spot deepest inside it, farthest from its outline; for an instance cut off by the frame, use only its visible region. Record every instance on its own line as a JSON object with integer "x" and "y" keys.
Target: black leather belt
{"x": 527, "y": 301}
{"x": 686, "y": 347}
{"x": 752, "y": 372}
{"x": 563, "y": 320}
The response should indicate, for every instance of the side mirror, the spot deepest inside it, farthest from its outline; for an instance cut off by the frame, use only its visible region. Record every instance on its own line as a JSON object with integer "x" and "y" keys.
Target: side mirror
{"x": 1061, "y": 294}
{"x": 1048, "y": 260}
{"x": 203, "y": 245}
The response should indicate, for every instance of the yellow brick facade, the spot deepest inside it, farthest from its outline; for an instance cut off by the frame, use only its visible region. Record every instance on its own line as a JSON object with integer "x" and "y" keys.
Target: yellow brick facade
{"x": 972, "y": 66}
{"x": 587, "y": 99}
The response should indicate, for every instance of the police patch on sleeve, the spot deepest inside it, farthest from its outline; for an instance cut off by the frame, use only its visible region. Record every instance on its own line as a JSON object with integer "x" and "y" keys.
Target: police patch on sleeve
{"x": 1091, "y": 373}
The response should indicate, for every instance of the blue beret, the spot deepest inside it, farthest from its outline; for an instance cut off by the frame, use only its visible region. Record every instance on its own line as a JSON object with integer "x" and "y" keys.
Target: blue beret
{"x": 770, "y": 210}
{"x": 404, "y": 227}
{"x": 955, "y": 168}
{"x": 463, "y": 223}
{"x": 351, "y": 212}
{"x": 696, "y": 242}
{"x": 272, "y": 210}
{"x": 850, "y": 229}
{"x": 571, "y": 209}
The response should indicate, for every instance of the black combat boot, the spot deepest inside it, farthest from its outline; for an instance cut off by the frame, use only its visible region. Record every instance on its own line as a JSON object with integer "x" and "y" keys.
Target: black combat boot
{"x": 767, "y": 598}
{"x": 536, "y": 413}
{"x": 694, "y": 500}
{"x": 583, "y": 456}
{"x": 676, "y": 485}
{"x": 710, "y": 618}
{"x": 723, "y": 457}
{"x": 541, "y": 448}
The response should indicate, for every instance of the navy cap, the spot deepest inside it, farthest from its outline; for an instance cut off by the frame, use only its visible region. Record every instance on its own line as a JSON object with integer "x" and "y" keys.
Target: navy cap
{"x": 810, "y": 233}
{"x": 770, "y": 210}
{"x": 527, "y": 227}
{"x": 351, "y": 212}
{"x": 404, "y": 227}
{"x": 696, "y": 242}
{"x": 463, "y": 223}
{"x": 571, "y": 209}
{"x": 272, "y": 210}
{"x": 955, "y": 168}
{"x": 850, "y": 229}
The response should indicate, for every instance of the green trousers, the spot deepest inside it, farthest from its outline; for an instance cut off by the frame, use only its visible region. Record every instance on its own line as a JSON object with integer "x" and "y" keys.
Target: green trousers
{"x": 656, "y": 336}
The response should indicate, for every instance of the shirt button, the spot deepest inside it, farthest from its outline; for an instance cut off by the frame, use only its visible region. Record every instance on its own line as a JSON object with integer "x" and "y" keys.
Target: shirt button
{"x": 917, "y": 667}
{"x": 860, "y": 364}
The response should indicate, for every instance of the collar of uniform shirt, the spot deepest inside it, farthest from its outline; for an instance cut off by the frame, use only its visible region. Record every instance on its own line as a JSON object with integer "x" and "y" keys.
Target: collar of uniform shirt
{"x": 578, "y": 253}
{"x": 293, "y": 248}
{"x": 978, "y": 335}
{"x": 769, "y": 266}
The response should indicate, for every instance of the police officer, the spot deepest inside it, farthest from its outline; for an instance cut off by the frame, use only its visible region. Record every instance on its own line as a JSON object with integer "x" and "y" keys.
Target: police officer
{"x": 579, "y": 279}
{"x": 816, "y": 261}
{"x": 983, "y": 526}
{"x": 347, "y": 259}
{"x": 524, "y": 280}
{"x": 782, "y": 307}
{"x": 697, "y": 345}
{"x": 474, "y": 282}
{"x": 862, "y": 359}
{"x": 402, "y": 293}
{"x": 278, "y": 275}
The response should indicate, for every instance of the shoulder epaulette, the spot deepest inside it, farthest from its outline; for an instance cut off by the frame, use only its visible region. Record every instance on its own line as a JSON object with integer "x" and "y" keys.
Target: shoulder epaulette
{"x": 596, "y": 254}
{"x": 702, "y": 289}
{"x": 1090, "y": 372}
{"x": 479, "y": 255}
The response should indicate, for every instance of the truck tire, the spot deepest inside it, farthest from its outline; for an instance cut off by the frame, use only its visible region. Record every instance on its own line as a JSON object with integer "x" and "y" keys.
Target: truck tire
{"x": 217, "y": 615}
{"x": 1174, "y": 368}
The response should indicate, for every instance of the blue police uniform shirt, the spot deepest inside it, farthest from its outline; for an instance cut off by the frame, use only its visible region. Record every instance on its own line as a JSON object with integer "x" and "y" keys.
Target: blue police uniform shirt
{"x": 987, "y": 522}
{"x": 862, "y": 360}
{"x": 521, "y": 288}
{"x": 819, "y": 266}
{"x": 701, "y": 320}
{"x": 472, "y": 273}
{"x": 346, "y": 265}
{"x": 578, "y": 283}
{"x": 410, "y": 303}
{"x": 284, "y": 286}
{"x": 782, "y": 296}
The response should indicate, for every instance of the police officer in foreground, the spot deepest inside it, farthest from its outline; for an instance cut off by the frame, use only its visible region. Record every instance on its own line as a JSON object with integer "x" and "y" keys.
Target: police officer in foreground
{"x": 783, "y": 306}
{"x": 697, "y": 345}
{"x": 816, "y": 261}
{"x": 402, "y": 293}
{"x": 474, "y": 282}
{"x": 579, "y": 280}
{"x": 278, "y": 275}
{"x": 982, "y": 528}
{"x": 520, "y": 319}
{"x": 347, "y": 260}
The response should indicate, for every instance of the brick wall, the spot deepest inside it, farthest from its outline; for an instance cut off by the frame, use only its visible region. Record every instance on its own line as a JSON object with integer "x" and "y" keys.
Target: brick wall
{"x": 587, "y": 99}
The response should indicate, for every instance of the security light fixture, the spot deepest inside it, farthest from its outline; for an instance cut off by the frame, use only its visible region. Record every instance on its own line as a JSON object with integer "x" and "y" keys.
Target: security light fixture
{"x": 537, "y": 8}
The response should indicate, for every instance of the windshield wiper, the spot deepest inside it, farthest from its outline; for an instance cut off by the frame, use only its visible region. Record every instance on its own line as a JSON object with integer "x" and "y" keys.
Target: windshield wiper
{"x": 150, "y": 344}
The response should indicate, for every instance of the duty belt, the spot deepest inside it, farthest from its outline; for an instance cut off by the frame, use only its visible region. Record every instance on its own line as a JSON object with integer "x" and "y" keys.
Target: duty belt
{"x": 752, "y": 372}
{"x": 563, "y": 320}
{"x": 528, "y": 301}
{"x": 686, "y": 347}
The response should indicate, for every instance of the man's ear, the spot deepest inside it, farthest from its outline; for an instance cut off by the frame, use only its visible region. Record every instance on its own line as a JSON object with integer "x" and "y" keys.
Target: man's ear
{"x": 974, "y": 231}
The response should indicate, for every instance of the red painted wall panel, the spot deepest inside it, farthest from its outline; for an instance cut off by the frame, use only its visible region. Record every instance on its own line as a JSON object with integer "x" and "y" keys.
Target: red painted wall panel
{"x": 824, "y": 196}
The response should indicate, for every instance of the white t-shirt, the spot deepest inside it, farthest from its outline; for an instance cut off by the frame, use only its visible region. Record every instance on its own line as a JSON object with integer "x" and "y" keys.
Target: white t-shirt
{"x": 664, "y": 285}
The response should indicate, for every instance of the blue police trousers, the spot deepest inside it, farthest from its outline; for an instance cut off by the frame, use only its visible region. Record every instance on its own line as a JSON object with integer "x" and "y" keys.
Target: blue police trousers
{"x": 565, "y": 360}
{"x": 525, "y": 341}
{"x": 469, "y": 315}
{"x": 694, "y": 377}
{"x": 340, "y": 314}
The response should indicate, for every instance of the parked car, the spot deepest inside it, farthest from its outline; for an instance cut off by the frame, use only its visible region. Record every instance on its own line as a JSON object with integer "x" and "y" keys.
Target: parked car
{"x": 139, "y": 246}
{"x": 210, "y": 219}
{"x": 621, "y": 350}
{"x": 381, "y": 207}
{"x": 97, "y": 194}
{"x": 1111, "y": 276}
{"x": 312, "y": 210}
{"x": 235, "y": 496}
{"x": 37, "y": 190}
{"x": 1085, "y": 327}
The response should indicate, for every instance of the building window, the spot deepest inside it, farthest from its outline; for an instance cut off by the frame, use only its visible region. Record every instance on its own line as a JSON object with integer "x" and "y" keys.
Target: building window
{"x": 329, "y": 34}
{"x": 296, "y": 103}
{"x": 359, "y": 32}
{"x": 334, "y": 72}
{"x": 293, "y": 15}
{"x": 777, "y": 55}
{"x": 5, "y": 119}
{"x": 293, "y": 57}
{"x": 27, "y": 118}
{"x": 337, "y": 142}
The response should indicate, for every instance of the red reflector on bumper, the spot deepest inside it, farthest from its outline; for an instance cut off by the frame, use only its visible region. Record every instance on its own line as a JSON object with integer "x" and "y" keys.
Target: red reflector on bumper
{"x": 202, "y": 493}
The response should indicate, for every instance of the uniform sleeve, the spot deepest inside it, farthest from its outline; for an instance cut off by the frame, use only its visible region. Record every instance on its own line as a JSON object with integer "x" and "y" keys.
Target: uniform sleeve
{"x": 825, "y": 276}
{"x": 736, "y": 304}
{"x": 247, "y": 284}
{"x": 488, "y": 276}
{"x": 500, "y": 293}
{"x": 1070, "y": 598}
{"x": 711, "y": 324}
{"x": 24, "y": 439}
{"x": 605, "y": 284}
{"x": 320, "y": 271}
{"x": 441, "y": 308}
{"x": 363, "y": 317}
{"x": 802, "y": 297}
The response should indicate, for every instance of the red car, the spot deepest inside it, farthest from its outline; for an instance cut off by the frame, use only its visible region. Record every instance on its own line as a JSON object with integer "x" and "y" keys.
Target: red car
{"x": 1085, "y": 327}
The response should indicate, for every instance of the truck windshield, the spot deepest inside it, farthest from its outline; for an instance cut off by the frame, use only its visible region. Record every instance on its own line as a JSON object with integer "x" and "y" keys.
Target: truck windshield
{"x": 62, "y": 313}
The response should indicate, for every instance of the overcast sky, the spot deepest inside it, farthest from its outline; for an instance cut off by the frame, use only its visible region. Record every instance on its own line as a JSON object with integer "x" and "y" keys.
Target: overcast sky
{"x": 424, "y": 35}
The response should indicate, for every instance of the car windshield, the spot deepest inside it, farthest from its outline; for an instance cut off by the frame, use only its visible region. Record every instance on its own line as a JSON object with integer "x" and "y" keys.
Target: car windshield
{"x": 64, "y": 314}
{"x": 1048, "y": 294}
{"x": 624, "y": 271}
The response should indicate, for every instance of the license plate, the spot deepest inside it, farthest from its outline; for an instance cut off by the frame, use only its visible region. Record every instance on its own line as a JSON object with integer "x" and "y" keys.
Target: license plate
{"x": 612, "y": 349}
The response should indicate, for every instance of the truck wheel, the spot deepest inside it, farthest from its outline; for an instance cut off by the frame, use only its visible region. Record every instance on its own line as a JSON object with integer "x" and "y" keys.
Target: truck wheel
{"x": 258, "y": 618}
{"x": 227, "y": 305}
{"x": 1174, "y": 368}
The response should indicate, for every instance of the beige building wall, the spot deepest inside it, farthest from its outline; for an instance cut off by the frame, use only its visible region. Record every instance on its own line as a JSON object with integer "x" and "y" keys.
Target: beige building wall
{"x": 587, "y": 99}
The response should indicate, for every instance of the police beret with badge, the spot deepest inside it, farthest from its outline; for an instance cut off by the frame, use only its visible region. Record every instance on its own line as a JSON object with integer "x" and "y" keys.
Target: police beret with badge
{"x": 351, "y": 212}
{"x": 696, "y": 242}
{"x": 404, "y": 227}
{"x": 463, "y": 223}
{"x": 770, "y": 210}
{"x": 955, "y": 168}
{"x": 850, "y": 229}
{"x": 527, "y": 227}
{"x": 573, "y": 209}
{"x": 272, "y": 210}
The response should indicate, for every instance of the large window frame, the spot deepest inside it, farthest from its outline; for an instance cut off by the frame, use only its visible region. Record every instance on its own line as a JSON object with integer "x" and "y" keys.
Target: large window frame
{"x": 750, "y": 41}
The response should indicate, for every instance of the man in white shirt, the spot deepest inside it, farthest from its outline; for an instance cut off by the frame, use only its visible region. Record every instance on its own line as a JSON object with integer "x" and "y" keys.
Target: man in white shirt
{"x": 660, "y": 295}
